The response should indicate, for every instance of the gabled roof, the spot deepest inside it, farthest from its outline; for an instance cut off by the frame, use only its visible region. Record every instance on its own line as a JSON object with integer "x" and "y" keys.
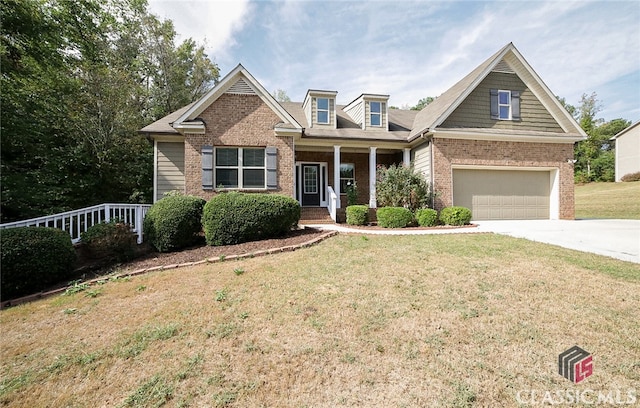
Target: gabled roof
{"x": 434, "y": 114}
{"x": 248, "y": 83}
{"x": 627, "y": 129}
{"x": 163, "y": 125}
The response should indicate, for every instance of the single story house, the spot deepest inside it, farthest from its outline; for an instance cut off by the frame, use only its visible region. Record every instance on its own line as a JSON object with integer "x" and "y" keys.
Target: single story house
{"x": 497, "y": 142}
{"x": 627, "y": 151}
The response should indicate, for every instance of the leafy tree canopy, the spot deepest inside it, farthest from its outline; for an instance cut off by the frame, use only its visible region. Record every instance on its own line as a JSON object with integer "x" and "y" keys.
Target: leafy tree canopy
{"x": 79, "y": 78}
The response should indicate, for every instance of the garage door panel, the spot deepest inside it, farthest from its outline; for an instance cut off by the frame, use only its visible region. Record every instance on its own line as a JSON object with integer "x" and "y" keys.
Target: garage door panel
{"x": 502, "y": 194}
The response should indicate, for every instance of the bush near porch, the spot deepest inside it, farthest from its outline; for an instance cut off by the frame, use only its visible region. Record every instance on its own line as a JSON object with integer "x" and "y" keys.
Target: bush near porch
{"x": 233, "y": 218}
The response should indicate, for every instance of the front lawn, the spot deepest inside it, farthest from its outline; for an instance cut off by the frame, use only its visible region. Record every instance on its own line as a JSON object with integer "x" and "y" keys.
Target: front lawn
{"x": 373, "y": 321}
{"x": 608, "y": 200}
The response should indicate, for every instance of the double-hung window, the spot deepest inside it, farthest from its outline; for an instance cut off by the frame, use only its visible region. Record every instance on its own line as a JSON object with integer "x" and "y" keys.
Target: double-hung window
{"x": 240, "y": 167}
{"x": 322, "y": 110}
{"x": 375, "y": 113}
{"x": 505, "y": 105}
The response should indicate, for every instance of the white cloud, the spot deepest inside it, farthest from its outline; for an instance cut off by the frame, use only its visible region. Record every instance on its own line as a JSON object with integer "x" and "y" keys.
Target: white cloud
{"x": 212, "y": 23}
{"x": 411, "y": 50}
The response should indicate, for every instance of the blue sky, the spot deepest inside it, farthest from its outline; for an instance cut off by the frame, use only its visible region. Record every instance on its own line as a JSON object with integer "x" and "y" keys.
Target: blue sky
{"x": 413, "y": 49}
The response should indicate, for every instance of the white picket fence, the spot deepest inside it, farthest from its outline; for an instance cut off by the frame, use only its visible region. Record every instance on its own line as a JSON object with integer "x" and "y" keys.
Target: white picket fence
{"x": 78, "y": 221}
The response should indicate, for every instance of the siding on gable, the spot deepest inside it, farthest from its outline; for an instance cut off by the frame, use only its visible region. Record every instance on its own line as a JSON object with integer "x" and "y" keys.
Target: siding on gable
{"x": 356, "y": 113}
{"x": 475, "y": 110}
{"x": 170, "y": 168}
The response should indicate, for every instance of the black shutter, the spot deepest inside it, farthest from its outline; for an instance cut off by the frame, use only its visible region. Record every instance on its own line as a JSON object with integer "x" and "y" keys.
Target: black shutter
{"x": 515, "y": 105}
{"x": 494, "y": 104}
{"x": 272, "y": 167}
{"x": 207, "y": 167}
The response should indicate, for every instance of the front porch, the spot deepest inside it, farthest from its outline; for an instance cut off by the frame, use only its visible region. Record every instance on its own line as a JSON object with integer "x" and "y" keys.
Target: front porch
{"x": 321, "y": 171}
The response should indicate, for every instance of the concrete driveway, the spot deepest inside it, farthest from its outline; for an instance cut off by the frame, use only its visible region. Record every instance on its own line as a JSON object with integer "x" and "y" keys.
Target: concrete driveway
{"x": 619, "y": 239}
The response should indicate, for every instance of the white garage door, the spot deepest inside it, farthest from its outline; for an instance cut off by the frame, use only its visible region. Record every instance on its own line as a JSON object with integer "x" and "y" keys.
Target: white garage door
{"x": 503, "y": 194}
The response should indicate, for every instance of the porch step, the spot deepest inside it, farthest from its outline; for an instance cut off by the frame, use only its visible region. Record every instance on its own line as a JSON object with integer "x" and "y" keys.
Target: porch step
{"x": 315, "y": 215}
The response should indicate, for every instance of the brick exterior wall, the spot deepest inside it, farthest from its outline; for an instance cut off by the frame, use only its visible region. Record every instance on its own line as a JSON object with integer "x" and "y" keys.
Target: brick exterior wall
{"x": 239, "y": 121}
{"x": 361, "y": 164}
{"x": 448, "y": 152}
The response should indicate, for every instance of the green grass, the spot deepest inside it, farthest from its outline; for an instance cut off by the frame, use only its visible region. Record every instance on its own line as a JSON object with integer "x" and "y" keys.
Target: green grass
{"x": 436, "y": 321}
{"x": 608, "y": 200}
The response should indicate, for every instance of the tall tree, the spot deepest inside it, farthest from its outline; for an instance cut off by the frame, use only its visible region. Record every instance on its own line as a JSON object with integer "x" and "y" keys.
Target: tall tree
{"x": 79, "y": 78}
{"x": 595, "y": 159}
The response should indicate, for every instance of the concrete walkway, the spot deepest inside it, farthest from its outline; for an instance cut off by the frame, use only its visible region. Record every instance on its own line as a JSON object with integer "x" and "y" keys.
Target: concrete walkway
{"x": 618, "y": 239}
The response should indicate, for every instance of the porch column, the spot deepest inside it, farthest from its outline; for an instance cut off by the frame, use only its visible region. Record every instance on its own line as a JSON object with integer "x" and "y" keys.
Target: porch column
{"x": 336, "y": 172}
{"x": 406, "y": 156}
{"x": 372, "y": 177}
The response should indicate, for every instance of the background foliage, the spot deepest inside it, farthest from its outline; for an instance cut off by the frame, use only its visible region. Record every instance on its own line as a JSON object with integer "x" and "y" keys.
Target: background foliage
{"x": 595, "y": 156}
{"x": 79, "y": 79}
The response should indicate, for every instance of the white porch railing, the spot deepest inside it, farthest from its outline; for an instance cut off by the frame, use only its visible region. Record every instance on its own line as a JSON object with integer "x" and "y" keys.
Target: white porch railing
{"x": 78, "y": 221}
{"x": 333, "y": 203}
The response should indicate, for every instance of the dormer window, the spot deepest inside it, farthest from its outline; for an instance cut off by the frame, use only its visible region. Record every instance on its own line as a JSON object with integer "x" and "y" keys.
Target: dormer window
{"x": 322, "y": 110}
{"x": 375, "y": 111}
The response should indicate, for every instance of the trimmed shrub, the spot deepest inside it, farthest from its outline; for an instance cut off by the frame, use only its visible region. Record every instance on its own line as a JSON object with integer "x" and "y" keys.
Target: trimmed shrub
{"x": 427, "y": 217}
{"x": 455, "y": 215}
{"x": 394, "y": 217}
{"x": 34, "y": 259}
{"x": 631, "y": 177}
{"x": 233, "y": 218}
{"x": 174, "y": 222}
{"x": 357, "y": 214}
{"x": 112, "y": 241}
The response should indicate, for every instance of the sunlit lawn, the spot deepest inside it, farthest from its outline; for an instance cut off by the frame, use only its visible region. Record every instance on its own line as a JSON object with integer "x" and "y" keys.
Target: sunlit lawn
{"x": 608, "y": 200}
{"x": 380, "y": 321}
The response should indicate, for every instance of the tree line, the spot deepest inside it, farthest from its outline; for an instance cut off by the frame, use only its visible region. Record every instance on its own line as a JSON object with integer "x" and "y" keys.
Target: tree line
{"x": 79, "y": 79}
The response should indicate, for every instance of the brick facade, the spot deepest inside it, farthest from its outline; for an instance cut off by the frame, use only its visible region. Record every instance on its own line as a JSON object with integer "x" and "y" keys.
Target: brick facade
{"x": 239, "y": 121}
{"x": 449, "y": 152}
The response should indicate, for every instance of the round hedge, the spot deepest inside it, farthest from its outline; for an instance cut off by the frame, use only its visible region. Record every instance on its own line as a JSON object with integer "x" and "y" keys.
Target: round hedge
{"x": 394, "y": 217}
{"x": 357, "y": 214}
{"x": 233, "y": 218}
{"x": 174, "y": 222}
{"x": 34, "y": 259}
{"x": 427, "y": 217}
{"x": 455, "y": 215}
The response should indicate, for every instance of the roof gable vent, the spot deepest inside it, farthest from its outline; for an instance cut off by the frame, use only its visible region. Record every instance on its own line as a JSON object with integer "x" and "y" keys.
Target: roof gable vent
{"x": 241, "y": 87}
{"x": 503, "y": 67}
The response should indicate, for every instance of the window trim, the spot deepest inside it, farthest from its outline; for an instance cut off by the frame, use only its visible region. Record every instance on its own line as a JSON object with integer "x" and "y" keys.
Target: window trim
{"x": 508, "y": 104}
{"x": 318, "y": 110}
{"x": 240, "y": 167}
{"x": 372, "y": 113}
{"x": 343, "y": 191}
